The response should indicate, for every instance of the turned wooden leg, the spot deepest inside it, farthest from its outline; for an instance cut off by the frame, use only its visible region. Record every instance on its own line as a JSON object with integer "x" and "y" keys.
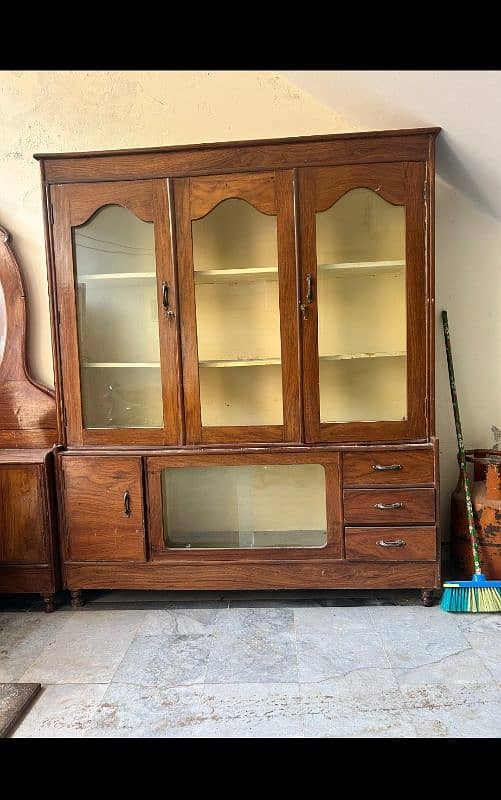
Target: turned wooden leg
{"x": 48, "y": 602}
{"x": 427, "y": 597}
{"x": 77, "y": 600}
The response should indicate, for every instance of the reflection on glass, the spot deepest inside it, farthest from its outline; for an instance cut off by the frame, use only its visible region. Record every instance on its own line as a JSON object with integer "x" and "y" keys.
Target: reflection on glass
{"x": 244, "y": 506}
{"x": 238, "y": 319}
{"x": 361, "y": 299}
{"x": 118, "y": 321}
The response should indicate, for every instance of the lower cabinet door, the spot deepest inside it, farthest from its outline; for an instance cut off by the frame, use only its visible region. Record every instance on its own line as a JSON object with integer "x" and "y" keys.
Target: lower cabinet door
{"x": 22, "y": 515}
{"x": 264, "y": 507}
{"x": 103, "y": 506}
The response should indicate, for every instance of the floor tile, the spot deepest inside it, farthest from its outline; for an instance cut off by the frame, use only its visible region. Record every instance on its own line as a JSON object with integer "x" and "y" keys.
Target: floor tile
{"x": 23, "y": 637}
{"x": 232, "y": 711}
{"x": 355, "y": 693}
{"x": 413, "y": 637}
{"x": 253, "y": 646}
{"x": 165, "y": 660}
{"x": 87, "y": 649}
{"x": 180, "y": 621}
{"x": 481, "y": 720}
{"x": 62, "y": 711}
{"x": 335, "y": 641}
{"x": 487, "y": 647}
{"x": 454, "y": 680}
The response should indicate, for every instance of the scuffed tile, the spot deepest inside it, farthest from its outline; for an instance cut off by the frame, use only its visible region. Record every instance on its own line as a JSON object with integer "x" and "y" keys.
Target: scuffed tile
{"x": 23, "y": 637}
{"x": 180, "y": 621}
{"x": 335, "y": 641}
{"x": 479, "y": 623}
{"x": 233, "y": 711}
{"x": 253, "y": 645}
{"x": 62, "y": 711}
{"x": 167, "y": 660}
{"x": 87, "y": 649}
{"x": 454, "y": 680}
{"x": 355, "y": 693}
{"x": 413, "y": 637}
{"x": 366, "y": 725}
{"x": 478, "y": 721}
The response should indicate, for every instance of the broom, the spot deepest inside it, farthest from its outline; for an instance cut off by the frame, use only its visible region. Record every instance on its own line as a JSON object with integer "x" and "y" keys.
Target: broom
{"x": 479, "y": 594}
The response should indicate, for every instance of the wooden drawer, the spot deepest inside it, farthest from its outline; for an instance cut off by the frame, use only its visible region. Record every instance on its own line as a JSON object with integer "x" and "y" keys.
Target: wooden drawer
{"x": 388, "y": 467}
{"x": 391, "y": 544}
{"x": 389, "y": 506}
{"x": 103, "y": 501}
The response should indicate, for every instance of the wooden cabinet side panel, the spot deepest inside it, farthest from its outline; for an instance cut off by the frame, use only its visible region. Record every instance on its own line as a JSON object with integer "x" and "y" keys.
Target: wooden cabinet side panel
{"x": 23, "y": 529}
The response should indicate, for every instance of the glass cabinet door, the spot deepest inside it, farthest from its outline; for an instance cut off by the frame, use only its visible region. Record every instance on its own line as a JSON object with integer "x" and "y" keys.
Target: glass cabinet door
{"x": 363, "y": 302}
{"x": 119, "y": 306}
{"x": 238, "y": 300}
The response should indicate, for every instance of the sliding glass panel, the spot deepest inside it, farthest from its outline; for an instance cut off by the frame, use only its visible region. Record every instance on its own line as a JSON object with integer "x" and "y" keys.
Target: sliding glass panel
{"x": 245, "y": 506}
{"x": 118, "y": 321}
{"x": 238, "y": 318}
{"x": 362, "y": 309}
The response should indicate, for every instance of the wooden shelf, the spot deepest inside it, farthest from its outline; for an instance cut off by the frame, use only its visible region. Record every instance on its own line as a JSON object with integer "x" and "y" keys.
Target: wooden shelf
{"x": 352, "y": 268}
{"x": 122, "y": 364}
{"x": 259, "y": 362}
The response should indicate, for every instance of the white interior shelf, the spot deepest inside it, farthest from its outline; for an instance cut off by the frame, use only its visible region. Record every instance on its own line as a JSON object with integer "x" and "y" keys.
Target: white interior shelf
{"x": 258, "y": 362}
{"x": 122, "y": 364}
{"x": 271, "y": 273}
{"x": 133, "y": 278}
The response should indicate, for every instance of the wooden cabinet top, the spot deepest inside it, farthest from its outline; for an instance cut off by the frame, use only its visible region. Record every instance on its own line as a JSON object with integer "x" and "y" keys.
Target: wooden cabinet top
{"x": 218, "y": 157}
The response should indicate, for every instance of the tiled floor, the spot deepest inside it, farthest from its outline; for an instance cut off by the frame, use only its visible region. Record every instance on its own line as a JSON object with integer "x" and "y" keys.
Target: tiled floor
{"x": 289, "y": 664}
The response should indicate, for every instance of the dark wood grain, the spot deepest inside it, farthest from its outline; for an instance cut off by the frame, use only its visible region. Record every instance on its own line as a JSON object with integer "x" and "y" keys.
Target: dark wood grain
{"x": 418, "y": 506}
{"x": 416, "y": 468}
{"x": 282, "y": 575}
{"x": 22, "y": 525}
{"x": 362, "y": 544}
{"x": 97, "y": 527}
{"x": 384, "y": 146}
{"x": 258, "y": 190}
{"x": 29, "y": 578}
{"x": 27, "y": 409}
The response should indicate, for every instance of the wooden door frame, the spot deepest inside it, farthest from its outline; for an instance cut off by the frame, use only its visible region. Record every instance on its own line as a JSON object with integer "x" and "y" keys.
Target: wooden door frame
{"x": 73, "y": 205}
{"x": 271, "y": 193}
{"x": 400, "y": 183}
{"x": 331, "y": 461}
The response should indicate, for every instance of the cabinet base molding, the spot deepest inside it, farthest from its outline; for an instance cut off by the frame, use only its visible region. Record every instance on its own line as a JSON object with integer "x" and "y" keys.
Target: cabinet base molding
{"x": 297, "y": 575}
{"x": 21, "y": 578}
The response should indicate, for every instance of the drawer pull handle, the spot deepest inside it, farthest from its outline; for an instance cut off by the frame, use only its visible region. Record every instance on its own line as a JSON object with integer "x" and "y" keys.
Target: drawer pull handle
{"x": 387, "y": 467}
{"x": 394, "y": 543}
{"x": 127, "y": 503}
{"x": 389, "y": 506}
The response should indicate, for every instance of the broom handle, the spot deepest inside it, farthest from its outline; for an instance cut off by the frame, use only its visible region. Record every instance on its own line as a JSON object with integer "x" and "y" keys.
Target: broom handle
{"x": 462, "y": 455}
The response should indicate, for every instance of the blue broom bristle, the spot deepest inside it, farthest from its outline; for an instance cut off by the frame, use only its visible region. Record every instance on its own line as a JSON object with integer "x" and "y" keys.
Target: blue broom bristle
{"x": 476, "y": 596}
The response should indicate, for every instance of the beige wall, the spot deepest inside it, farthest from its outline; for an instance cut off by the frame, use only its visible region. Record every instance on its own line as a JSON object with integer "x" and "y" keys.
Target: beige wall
{"x": 65, "y": 111}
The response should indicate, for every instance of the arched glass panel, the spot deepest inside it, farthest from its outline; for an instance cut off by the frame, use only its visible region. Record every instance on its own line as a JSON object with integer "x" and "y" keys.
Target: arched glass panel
{"x": 118, "y": 321}
{"x": 238, "y": 319}
{"x": 362, "y": 309}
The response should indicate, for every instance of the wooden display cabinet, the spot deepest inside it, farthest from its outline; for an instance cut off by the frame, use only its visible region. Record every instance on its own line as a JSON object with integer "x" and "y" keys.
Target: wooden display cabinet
{"x": 245, "y": 363}
{"x": 28, "y": 434}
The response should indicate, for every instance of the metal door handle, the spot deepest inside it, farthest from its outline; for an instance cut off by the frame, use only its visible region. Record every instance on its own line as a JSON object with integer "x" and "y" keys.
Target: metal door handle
{"x": 165, "y": 299}
{"x": 309, "y": 296}
{"x": 394, "y": 543}
{"x": 386, "y": 467}
{"x": 127, "y": 511}
{"x": 389, "y": 506}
